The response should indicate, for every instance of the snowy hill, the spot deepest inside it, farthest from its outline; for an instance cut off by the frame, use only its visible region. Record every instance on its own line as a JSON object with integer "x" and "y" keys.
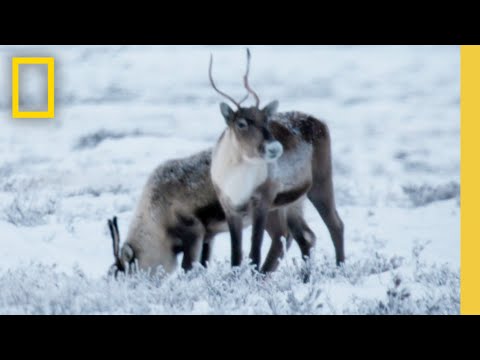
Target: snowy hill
{"x": 120, "y": 111}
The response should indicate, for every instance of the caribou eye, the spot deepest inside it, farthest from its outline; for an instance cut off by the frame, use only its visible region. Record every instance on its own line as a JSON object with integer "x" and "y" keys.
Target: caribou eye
{"x": 242, "y": 124}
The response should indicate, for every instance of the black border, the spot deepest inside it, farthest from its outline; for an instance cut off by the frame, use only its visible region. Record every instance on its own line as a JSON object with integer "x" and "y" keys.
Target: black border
{"x": 239, "y": 23}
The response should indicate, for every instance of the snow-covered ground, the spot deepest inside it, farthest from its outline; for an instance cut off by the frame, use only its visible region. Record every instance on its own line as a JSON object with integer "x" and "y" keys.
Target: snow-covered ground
{"x": 120, "y": 111}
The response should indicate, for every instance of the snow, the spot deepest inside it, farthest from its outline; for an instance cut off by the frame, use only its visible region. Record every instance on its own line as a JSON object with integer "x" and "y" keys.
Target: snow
{"x": 393, "y": 112}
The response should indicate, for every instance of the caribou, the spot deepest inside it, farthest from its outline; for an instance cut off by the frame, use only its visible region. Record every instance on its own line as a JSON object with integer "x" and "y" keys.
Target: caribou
{"x": 265, "y": 162}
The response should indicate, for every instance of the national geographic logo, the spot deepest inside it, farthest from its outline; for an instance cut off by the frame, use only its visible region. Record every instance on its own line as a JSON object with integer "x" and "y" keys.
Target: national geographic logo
{"x": 50, "y": 112}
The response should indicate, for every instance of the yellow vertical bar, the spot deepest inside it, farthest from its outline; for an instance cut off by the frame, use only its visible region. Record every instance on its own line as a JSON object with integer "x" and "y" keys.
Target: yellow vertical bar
{"x": 470, "y": 179}
{"x": 51, "y": 88}
{"x": 15, "y": 101}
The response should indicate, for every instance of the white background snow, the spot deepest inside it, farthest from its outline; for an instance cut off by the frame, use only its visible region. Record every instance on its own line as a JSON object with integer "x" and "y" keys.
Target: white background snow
{"x": 394, "y": 116}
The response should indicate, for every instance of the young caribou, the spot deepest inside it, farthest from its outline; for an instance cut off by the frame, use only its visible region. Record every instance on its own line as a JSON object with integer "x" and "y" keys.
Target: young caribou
{"x": 265, "y": 162}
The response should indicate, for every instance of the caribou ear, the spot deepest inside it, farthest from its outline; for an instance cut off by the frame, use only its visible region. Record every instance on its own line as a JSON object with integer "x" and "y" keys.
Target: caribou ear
{"x": 271, "y": 109}
{"x": 113, "y": 226}
{"x": 227, "y": 112}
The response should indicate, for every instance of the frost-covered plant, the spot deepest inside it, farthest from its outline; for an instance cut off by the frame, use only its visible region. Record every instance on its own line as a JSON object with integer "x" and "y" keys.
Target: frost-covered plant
{"x": 29, "y": 210}
{"x": 306, "y": 305}
{"x": 398, "y": 301}
{"x": 421, "y": 195}
{"x": 432, "y": 289}
{"x": 94, "y": 139}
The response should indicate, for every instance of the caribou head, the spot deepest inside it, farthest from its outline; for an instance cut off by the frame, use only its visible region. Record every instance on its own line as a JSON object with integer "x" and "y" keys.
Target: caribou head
{"x": 250, "y": 125}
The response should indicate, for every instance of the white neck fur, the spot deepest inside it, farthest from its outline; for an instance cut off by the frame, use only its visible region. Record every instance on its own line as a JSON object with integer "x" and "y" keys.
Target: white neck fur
{"x": 237, "y": 177}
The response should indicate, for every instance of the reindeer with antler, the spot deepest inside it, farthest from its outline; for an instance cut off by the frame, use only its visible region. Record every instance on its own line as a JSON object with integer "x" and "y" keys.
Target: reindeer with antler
{"x": 263, "y": 164}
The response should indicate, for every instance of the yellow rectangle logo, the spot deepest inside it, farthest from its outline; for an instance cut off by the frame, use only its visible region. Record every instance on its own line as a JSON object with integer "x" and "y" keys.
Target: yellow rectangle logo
{"x": 50, "y": 113}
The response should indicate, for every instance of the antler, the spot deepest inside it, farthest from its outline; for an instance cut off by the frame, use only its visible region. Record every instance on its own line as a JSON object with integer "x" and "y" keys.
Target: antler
{"x": 215, "y": 87}
{"x": 245, "y": 81}
{"x": 246, "y": 75}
